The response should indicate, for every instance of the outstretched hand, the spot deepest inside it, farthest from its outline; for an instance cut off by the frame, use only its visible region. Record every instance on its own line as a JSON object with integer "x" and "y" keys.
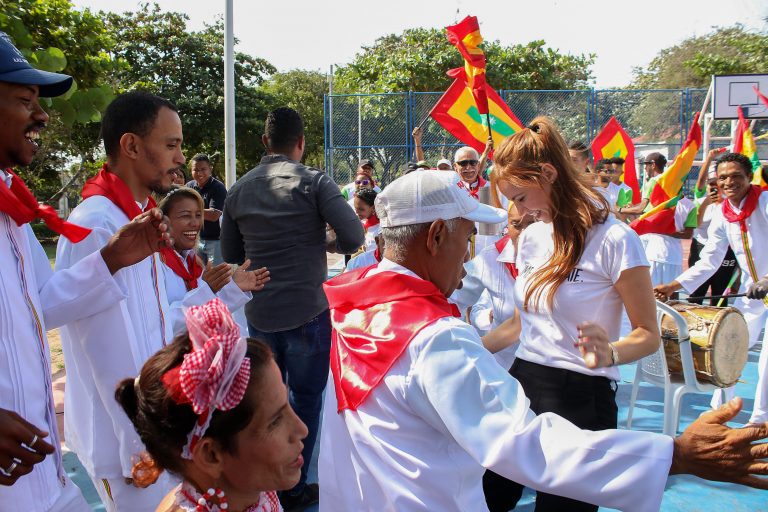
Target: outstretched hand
{"x": 250, "y": 280}
{"x": 21, "y": 447}
{"x": 144, "y": 235}
{"x": 711, "y": 450}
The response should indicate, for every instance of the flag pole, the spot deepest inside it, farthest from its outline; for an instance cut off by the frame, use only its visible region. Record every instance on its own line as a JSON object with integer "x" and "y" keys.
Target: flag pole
{"x": 488, "y": 118}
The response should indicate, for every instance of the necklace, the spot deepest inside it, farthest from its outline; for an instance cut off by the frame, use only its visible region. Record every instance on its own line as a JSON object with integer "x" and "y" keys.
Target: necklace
{"x": 190, "y": 500}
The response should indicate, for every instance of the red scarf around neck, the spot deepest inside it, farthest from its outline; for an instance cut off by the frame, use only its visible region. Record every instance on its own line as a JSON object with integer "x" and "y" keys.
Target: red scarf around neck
{"x": 22, "y": 206}
{"x": 109, "y": 185}
{"x": 474, "y": 188}
{"x": 371, "y": 221}
{"x": 500, "y": 245}
{"x": 190, "y": 272}
{"x": 374, "y": 319}
{"x": 753, "y": 196}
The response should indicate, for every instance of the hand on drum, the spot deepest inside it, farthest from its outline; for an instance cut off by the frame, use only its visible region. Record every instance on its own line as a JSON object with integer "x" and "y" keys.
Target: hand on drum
{"x": 663, "y": 292}
{"x": 711, "y": 450}
{"x": 594, "y": 345}
{"x": 758, "y": 290}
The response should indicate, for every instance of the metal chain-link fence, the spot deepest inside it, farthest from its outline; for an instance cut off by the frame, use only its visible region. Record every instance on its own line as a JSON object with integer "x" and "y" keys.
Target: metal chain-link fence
{"x": 378, "y": 126}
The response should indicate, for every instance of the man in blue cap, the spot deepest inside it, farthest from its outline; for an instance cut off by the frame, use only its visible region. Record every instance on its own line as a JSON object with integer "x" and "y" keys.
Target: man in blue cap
{"x": 33, "y": 299}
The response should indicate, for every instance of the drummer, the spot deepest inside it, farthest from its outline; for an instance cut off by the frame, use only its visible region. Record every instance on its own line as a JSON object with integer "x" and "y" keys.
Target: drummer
{"x": 579, "y": 268}
{"x": 741, "y": 223}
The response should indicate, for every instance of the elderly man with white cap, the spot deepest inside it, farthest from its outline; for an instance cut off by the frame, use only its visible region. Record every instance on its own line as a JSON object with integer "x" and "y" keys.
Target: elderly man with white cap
{"x": 420, "y": 408}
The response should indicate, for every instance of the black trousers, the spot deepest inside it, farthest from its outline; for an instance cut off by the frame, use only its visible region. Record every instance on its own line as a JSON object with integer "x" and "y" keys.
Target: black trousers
{"x": 719, "y": 280}
{"x": 589, "y": 402}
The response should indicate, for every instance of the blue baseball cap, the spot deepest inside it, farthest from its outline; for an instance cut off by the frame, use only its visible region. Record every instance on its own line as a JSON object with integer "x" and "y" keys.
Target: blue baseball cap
{"x": 15, "y": 69}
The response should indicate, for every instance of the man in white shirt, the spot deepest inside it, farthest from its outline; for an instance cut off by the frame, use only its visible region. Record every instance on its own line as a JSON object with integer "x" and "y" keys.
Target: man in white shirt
{"x": 743, "y": 214}
{"x": 142, "y": 138}
{"x": 420, "y": 408}
{"x": 34, "y": 299}
{"x": 466, "y": 163}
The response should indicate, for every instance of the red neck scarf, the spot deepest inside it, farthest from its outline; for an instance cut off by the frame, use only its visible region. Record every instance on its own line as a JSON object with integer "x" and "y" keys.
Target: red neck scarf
{"x": 374, "y": 319}
{"x": 750, "y": 204}
{"x": 500, "y": 245}
{"x": 474, "y": 188}
{"x": 20, "y": 205}
{"x": 190, "y": 272}
{"x": 109, "y": 185}
{"x": 371, "y": 221}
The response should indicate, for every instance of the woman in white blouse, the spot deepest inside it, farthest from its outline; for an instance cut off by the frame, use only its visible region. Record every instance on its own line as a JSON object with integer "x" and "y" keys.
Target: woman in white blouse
{"x": 578, "y": 269}
{"x": 192, "y": 282}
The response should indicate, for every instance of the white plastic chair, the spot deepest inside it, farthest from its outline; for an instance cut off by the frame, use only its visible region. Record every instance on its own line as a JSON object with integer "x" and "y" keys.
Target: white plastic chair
{"x": 653, "y": 369}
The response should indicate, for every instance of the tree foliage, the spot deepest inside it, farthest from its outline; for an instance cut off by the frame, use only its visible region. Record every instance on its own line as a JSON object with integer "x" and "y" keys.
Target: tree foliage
{"x": 302, "y": 91}
{"x": 417, "y": 60}
{"x": 186, "y": 67}
{"x": 691, "y": 64}
{"x": 54, "y": 36}
{"x": 725, "y": 50}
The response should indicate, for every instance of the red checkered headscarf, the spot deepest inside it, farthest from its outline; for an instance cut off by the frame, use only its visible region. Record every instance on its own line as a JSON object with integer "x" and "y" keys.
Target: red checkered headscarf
{"x": 215, "y": 374}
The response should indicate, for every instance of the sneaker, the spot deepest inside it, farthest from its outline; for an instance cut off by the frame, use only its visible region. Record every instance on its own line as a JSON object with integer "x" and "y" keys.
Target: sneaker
{"x": 309, "y": 495}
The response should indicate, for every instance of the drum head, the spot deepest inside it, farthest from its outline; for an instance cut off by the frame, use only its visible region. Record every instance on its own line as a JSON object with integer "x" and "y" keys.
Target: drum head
{"x": 729, "y": 344}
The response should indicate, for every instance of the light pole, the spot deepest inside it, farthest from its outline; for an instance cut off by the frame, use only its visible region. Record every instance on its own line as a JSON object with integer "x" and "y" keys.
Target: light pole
{"x": 229, "y": 96}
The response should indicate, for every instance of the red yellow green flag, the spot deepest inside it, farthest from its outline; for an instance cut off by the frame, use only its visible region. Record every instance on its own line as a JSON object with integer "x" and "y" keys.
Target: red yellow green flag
{"x": 744, "y": 143}
{"x": 457, "y": 112}
{"x": 612, "y": 142}
{"x": 667, "y": 190}
{"x": 465, "y": 36}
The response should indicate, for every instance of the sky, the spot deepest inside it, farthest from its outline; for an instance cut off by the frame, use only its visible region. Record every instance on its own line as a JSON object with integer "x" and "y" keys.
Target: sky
{"x": 307, "y": 34}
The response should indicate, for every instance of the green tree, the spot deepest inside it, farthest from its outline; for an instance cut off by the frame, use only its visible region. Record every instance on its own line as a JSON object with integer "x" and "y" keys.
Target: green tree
{"x": 188, "y": 68}
{"x": 303, "y": 91}
{"x": 725, "y": 50}
{"x": 56, "y": 37}
{"x": 690, "y": 64}
{"x": 417, "y": 60}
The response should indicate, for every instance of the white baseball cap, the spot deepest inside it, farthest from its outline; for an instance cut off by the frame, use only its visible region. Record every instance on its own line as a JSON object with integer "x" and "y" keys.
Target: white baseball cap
{"x": 426, "y": 196}
{"x": 444, "y": 161}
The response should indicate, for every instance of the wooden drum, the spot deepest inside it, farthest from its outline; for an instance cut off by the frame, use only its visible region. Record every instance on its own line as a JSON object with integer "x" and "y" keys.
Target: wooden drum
{"x": 719, "y": 342}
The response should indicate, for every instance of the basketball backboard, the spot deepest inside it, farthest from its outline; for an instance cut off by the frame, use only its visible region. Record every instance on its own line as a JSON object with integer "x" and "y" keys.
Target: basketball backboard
{"x": 733, "y": 91}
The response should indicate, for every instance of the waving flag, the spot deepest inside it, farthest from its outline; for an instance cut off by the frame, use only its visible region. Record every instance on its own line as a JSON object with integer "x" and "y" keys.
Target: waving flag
{"x": 457, "y": 112}
{"x": 668, "y": 187}
{"x": 760, "y": 95}
{"x": 613, "y": 141}
{"x": 744, "y": 143}
{"x": 465, "y": 36}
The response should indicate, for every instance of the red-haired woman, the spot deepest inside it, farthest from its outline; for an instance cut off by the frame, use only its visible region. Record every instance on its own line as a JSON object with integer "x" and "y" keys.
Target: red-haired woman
{"x": 579, "y": 268}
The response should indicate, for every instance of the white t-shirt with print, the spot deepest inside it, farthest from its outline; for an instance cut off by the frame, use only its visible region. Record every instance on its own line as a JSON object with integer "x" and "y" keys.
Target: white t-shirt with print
{"x": 548, "y": 334}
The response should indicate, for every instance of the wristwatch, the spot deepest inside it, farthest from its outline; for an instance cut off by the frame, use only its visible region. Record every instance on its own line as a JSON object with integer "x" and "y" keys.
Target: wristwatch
{"x": 614, "y": 355}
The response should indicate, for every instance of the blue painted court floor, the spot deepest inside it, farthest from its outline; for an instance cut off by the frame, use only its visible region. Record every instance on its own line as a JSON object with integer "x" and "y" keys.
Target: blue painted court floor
{"x": 683, "y": 493}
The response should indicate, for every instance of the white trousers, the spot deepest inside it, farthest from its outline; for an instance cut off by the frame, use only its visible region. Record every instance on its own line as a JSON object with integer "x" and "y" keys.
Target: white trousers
{"x": 663, "y": 273}
{"x": 117, "y": 496}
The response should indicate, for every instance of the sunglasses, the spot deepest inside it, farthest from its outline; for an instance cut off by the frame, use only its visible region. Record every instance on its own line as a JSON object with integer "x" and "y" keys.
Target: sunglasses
{"x": 362, "y": 182}
{"x": 648, "y": 163}
{"x": 464, "y": 163}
